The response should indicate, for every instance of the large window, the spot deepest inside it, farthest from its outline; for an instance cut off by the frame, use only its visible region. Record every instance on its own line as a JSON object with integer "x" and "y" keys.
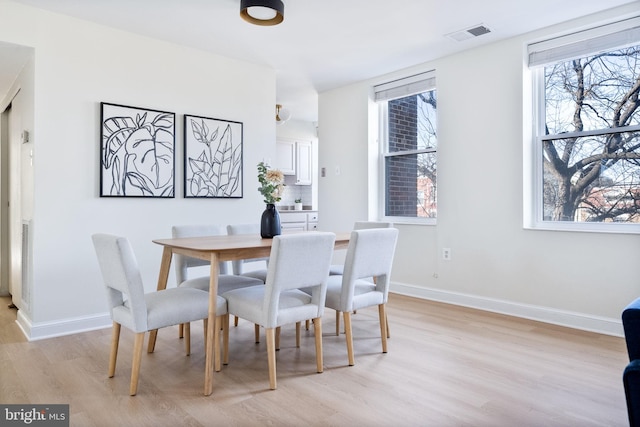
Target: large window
{"x": 588, "y": 127}
{"x": 408, "y": 140}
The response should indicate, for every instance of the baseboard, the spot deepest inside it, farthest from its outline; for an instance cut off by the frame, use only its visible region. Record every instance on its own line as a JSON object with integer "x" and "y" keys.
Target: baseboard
{"x": 585, "y": 322}
{"x": 76, "y": 325}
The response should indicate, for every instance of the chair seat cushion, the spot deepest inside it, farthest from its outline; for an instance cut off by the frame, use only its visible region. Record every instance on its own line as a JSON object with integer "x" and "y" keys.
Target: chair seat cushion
{"x": 257, "y": 274}
{"x": 247, "y": 303}
{"x": 365, "y": 294}
{"x": 336, "y": 270}
{"x": 226, "y": 282}
{"x": 171, "y": 307}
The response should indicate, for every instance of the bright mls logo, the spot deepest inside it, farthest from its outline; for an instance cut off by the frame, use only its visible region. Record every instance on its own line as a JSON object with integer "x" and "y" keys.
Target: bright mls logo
{"x": 34, "y": 415}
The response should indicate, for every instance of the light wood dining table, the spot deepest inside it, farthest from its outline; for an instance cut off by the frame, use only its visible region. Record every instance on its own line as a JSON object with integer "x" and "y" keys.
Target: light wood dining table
{"x": 216, "y": 249}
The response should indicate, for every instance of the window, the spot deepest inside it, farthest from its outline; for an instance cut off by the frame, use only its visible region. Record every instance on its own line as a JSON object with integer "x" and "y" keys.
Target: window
{"x": 587, "y": 125}
{"x": 408, "y": 141}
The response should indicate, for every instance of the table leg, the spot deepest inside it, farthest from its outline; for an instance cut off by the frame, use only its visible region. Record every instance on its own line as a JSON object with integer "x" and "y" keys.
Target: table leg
{"x": 163, "y": 277}
{"x": 213, "y": 303}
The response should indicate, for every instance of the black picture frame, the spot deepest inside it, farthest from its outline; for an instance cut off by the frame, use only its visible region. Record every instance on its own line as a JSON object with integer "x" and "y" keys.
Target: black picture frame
{"x": 137, "y": 152}
{"x": 212, "y": 158}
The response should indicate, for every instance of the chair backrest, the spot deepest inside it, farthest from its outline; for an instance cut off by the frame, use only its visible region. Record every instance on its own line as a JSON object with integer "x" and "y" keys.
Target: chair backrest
{"x": 631, "y": 325}
{"x": 183, "y": 262}
{"x": 123, "y": 281}
{"x": 298, "y": 261}
{"x": 232, "y": 229}
{"x": 363, "y": 225}
{"x": 369, "y": 254}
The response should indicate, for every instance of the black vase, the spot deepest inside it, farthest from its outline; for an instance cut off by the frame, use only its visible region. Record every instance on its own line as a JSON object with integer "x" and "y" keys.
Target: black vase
{"x": 270, "y": 223}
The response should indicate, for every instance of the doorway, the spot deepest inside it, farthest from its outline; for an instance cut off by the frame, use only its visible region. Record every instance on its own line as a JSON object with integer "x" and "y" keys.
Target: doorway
{"x": 17, "y": 70}
{"x": 10, "y": 202}
{"x": 4, "y": 202}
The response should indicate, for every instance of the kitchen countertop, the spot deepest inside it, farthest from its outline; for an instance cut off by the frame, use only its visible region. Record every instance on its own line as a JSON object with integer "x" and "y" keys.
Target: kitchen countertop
{"x": 285, "y": 208}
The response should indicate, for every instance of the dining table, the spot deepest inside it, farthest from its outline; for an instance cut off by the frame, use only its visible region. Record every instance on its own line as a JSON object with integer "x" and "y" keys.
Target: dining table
{"x": 216, "y": 249}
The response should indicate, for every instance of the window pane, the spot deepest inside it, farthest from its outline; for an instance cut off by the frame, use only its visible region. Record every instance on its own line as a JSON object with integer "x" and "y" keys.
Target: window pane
{"x": 412, "y": 122}
{"x": 592, "y": 179}
{"x": 411, "y": 185}
{"x": 595, "y": 92}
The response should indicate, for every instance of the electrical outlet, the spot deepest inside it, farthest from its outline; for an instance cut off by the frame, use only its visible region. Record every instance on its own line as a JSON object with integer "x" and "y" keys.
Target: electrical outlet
{"x": 446, "y": 254}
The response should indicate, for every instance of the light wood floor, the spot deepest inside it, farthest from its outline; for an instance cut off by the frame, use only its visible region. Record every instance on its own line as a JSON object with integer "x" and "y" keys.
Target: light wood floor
{"x": 446, "y": 366}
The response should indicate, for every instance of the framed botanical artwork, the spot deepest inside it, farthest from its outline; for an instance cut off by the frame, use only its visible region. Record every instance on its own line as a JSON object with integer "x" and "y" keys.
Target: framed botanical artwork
{"x": 212, "y": 158}
{"x": 137, "y": 156}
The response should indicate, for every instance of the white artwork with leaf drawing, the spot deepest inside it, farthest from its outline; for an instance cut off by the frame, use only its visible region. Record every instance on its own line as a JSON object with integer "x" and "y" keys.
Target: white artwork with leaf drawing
{"x": 212, "y": 158}
{"x": 137, "y": 152}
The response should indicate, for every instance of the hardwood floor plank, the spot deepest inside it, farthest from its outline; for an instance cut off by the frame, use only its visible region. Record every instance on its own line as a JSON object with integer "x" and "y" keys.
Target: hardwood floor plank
{"x": 446, "y": 366}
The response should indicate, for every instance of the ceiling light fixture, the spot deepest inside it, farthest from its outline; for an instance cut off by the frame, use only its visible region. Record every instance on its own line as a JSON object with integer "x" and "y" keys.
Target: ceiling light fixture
{"x": 282, "y": 115}
{"x": 262, "y": 12}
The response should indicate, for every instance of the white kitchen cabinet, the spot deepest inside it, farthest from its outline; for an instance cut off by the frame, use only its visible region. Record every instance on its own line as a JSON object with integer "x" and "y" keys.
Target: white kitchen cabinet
{"x": 295, "y": 158}
{"x": 312, "y": 221}
{"x": 301, "y": 221}
{"x": 304, "y": 157}
{"x": 286, "y": 157}
{"x": 299, "y": 226}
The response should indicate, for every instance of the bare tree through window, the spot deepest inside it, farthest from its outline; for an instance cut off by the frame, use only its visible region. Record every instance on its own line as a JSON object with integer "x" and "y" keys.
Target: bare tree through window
{"x": 591, "y": 146}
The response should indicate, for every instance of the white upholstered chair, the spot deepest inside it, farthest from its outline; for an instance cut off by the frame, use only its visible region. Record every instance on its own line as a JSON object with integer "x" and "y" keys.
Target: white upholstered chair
{"x": 238, "y": 266}
{"x": 365, "y": 281}
{"x": 296, "y": 261}
{"x": 132, "y": 308}
{"x": 338, "y": 269}
{"x": 185, "y": 264}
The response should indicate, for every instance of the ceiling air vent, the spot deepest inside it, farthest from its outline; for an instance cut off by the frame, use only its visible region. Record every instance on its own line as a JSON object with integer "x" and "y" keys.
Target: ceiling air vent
{"x": 469, "y": 33}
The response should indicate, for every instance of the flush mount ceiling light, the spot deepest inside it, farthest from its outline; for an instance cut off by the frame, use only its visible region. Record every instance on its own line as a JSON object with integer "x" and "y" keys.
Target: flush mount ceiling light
{"x": 262, "y": 12}
{"x": 282, "y": 115}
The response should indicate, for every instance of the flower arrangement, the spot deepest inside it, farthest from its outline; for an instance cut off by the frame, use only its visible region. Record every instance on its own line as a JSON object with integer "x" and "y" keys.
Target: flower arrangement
{"x": 271, "y": 183}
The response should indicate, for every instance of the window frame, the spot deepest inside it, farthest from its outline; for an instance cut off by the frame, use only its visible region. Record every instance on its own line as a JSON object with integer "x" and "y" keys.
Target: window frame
{"x": 384, "y": 154}
{"x": 534, "y": 207}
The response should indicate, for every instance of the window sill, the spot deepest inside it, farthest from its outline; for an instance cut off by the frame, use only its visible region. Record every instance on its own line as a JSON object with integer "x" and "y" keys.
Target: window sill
{"x": 409, "y": 220}
{"x": 583, "y": 227}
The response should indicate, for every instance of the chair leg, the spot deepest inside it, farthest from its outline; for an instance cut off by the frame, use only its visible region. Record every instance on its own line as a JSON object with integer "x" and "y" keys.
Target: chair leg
{"x": 383, "y": 326}
{"x": 278, "y": 338}
{"x": 205, "y": 323}
{"x": 317, "y": 329}
{"x": 152, "y": 340}
{"x": 235, "y": 321}
{"x": 181, "y": 331}
{"x": 298, "y": 325}
{"x": 256, "y": 329}
{"x": 271, "y": 356}
{"x": 115, "y": 340}
{"x": 349, "y": 336}
{"x": 225, "y": 339}
{"x": 135, "y": 364}
{"x": 337, "y": 323}
{"x": 386, "y": 321}
{"x": 306, "y": 324}
{"x": 187, "y": 338}
{"x": 216, "y": 344}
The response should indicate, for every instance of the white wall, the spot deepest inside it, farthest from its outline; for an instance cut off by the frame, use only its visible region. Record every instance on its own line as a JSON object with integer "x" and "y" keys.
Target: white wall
{"x": 342, "y": 151}
{"x": 579, "y": 279}
{"x": 78, "y": 65}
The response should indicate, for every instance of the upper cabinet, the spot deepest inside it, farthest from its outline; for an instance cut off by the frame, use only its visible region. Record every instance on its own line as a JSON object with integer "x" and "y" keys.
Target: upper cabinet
{"x": 304, "y": 157}
{"x": 286, "y": 157}
{"x": 295, "y": 158}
